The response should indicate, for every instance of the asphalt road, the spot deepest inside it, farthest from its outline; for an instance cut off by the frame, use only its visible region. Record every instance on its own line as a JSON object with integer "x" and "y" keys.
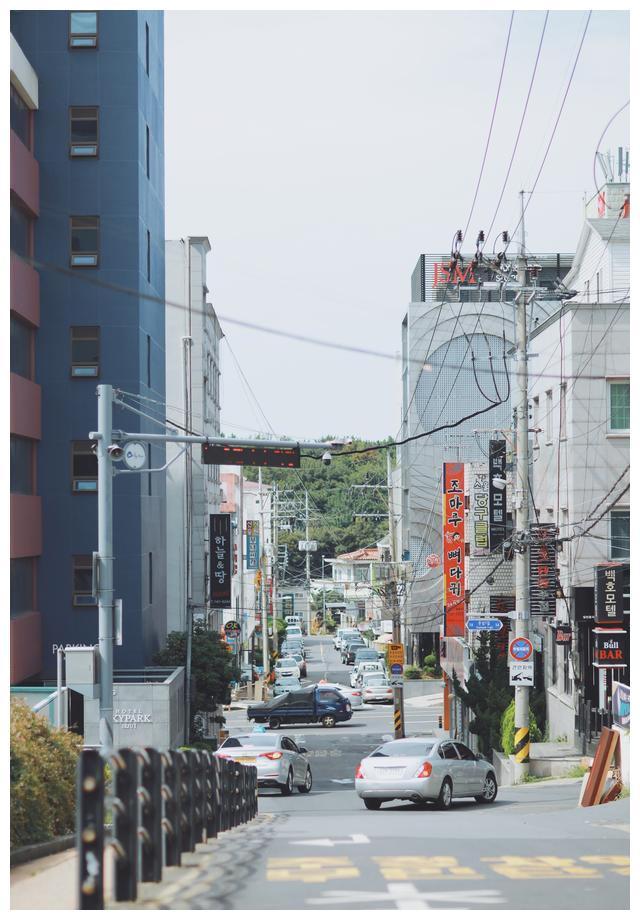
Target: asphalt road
{"x": 533, "y": 848}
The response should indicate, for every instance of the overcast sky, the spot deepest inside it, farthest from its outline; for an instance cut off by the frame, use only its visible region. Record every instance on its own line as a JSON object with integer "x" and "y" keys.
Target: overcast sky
{"x": 321, "y": 153}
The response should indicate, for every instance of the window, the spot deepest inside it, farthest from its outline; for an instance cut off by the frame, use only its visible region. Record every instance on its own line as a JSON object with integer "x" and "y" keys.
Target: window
{"x": 83, "y": 582}
{"x": 85, "y": 351}
{"x": 151, "y": 578}
{"x": 620, "y": 533}
{"x": 619, "y": 405}
{"x": 20, "y": 231}
{"x": 149, "y": 361}
{"x": 83, "y": 30}
{"x": 20, "y": 117}
{"x": 563, "y": 411}
{"x": 148, "y": 152}
{"x": 149, "y": 255}
{"x": 21, "y": 348}
{"x": 22, "y": 585}
{"x": 84, "y": 467}
{"x": 146, "y": 47}
{"x": 83, "y": 131}
{"x": 84, "y": 241}
{"x": 549, "y": 419}
{"x": 464, "y": 752}
{"x": 329, "y": 696}
{"x": 361, "y": 573}
{"x": 22, "y": 454}
{"x": 448, "y": 751}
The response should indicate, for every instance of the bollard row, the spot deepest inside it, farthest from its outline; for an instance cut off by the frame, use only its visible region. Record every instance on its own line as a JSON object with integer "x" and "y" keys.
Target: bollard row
{"x": 163, "y": 804}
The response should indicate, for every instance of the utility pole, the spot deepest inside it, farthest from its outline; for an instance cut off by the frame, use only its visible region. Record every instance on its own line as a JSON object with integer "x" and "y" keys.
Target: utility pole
{"x": 324, "y": 598}
{"x": 398, "y": 692}
{"x": 240, "y": 531}
{"x": 263, "y": 585}
{"x": 521, "y": 410}
{"x": 308, "y": 562}
{"x": 274, "y": 563}
{"x": 105, "y": 590}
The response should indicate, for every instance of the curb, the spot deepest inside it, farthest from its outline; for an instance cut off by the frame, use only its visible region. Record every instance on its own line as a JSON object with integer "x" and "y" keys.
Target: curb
{"x": 39, "y": 850}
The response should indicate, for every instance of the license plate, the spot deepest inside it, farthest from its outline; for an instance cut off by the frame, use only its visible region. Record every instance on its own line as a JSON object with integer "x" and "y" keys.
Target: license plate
{"x": 245, "y": 759}
{"x": 390, "y": 772}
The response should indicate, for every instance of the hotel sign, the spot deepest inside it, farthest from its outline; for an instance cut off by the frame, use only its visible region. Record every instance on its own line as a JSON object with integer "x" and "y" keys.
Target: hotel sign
{"x": 479, "y": 511}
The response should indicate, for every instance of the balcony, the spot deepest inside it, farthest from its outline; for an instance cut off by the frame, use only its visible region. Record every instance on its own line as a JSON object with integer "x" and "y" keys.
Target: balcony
{"x": 26, "y": 646}
{"x": 25, "y": 290}
{"x": 25, "y": 407}
{"x": 26, "y": 525}
{"x": 25, "y": 175}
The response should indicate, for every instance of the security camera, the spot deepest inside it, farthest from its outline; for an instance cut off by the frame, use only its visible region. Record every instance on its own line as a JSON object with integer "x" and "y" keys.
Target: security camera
{"x": 115, "y": 451}
{"x": 326, "y": 458}
{"x": 499, "y": 483}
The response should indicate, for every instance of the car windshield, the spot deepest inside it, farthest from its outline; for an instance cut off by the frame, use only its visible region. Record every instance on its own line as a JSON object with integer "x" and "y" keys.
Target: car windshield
{"x": 286, "y": 663}
{"x": 258, "y": 739}
{"x": 366, "y": 655}
{"x": 417, "y": 748}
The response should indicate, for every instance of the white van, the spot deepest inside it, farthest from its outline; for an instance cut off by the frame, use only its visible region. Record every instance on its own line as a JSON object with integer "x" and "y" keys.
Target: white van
{"x": 294, "y": 631}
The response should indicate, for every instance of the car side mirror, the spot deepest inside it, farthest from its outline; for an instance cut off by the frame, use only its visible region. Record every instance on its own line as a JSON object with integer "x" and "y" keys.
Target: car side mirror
{"x": 302, "y": 750}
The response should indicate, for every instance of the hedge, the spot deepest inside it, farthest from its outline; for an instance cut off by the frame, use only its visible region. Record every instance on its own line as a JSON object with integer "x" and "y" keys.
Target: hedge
{"x": 43, "y": 777}
{"x": 508, "y": 727}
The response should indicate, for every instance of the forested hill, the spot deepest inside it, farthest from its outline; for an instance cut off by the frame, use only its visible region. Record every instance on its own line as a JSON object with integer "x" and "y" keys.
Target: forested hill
{"x": 333, "y": 505}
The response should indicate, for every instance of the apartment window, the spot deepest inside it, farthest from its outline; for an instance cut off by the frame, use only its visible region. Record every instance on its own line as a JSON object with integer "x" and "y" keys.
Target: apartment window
{"x": 22, "y": 585}
{"x": 148, "y": 152}
{"x": 83, "y": 131}
{"x": 619, "y": 533}
{"x": 85, "y": 351}
{"x": 83, "y": 582}
{"x": 149, "y": 255}
{"x": 619, "y": 405}
{"x": 20, "y": 231}
{"x": 84, "y": 467}
{"x": 21, "y": 348}
{"x": 22, "y": 454}
{"x": 83, "y": 29}
{"x": 149, "y": 361}
{"x": 146, "y": 47}
{"x": 563, "y": 411}
{"x": 549, "y": 418}
{"x": 361, "y": 573}
{"x": 151, "y": 578}
{"x": 20, "y": 117}
{"x": 84, "y": 241}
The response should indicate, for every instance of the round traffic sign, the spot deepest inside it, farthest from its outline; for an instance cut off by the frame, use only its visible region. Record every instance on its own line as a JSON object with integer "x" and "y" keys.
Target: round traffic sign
{"x": 521, "y": 649}
{"x": 396, "y": 669}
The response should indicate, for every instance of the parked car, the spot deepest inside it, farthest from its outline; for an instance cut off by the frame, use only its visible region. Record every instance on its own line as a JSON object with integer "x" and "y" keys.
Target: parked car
{"x": 350, "y": 650}
{"x": 279, "y": 760}
{"x": 290, "y": 648}
{"x": 311, "y": 704}
{"x": 353, "y": 694}
{"x": 293, "y": 632}
{"x": 286, "y": 667}
{"x": 365, "y": 667}
{"x": 376, "y": 689}
{"x": 364, "y": 654}
{"x": 354, "y": 636}
{"x": 302, "y": 664}
{"x": 285, "y": 684}
{"x": 345, "y": 632}
{"x": 424, "y": 769}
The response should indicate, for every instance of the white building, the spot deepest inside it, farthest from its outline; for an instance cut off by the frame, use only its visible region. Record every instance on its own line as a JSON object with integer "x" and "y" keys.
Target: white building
{"x": 193, "y": 337}
{"x": 579, "y": 390}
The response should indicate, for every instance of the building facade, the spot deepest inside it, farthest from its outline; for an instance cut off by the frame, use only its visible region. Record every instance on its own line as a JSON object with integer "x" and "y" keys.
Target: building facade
{"x": 99, "y": 142}
{"x": 193, "y": 401}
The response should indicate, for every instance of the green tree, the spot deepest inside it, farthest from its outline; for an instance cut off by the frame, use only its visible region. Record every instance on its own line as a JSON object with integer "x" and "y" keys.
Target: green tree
{"x": 487, "y": 692}
{"x": 212, "y": 668}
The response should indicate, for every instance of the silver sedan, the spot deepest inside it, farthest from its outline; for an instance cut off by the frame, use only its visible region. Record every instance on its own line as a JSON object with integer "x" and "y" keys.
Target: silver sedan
{"x": 424, "y": 769}
{"x": 279, "y": 760}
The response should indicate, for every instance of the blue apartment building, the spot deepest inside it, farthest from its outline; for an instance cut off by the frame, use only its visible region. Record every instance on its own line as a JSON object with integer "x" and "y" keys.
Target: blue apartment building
{"x": 99, "y": 143}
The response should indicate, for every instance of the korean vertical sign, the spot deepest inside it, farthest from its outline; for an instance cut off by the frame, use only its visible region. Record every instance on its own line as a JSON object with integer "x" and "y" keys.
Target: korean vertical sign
{"x": 252, "y": 554}
{"x": 453, "y": 558}
{"x": 497, "y": 496}
{"x": 220, "y": 556}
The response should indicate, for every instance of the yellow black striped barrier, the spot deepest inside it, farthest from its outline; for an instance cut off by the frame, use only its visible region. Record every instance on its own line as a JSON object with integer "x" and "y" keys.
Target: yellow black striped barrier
{"x": 397, "y": 720}
{"x": 521, "y": 745}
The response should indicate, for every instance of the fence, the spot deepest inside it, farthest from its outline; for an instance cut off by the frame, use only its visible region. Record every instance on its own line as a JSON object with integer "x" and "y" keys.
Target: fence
{"x": 162, "y": 804}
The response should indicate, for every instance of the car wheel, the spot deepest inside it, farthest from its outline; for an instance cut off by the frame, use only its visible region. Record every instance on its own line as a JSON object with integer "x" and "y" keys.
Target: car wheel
{"x": 490, "y": 790}
{"x": 446, "y": 795}
{"x": 308, "y": 782}
{"x": 274, "y": 722}
{"x": 287, "y": 788}
{"x": 372, "y": 804}
{"x": 328, "y": 721}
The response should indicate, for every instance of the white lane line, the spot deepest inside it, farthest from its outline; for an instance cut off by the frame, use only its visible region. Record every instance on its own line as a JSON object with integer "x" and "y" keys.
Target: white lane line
{"x": 406, "y": 896}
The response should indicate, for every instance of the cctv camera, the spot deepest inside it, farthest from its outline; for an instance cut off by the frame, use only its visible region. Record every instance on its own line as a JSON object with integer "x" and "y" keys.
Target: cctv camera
{"x": 116, "y": 451}
{"x": 326, "y": 458}
{"x": 499, "y": 483}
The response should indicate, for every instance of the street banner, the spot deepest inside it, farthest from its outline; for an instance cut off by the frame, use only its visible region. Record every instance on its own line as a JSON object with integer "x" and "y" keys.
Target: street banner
{"x": 621, "y": 704}
{"x": 479, "y": 510}
{"x": 542, "y": 570}
{"x": 612, "y": 579}
{"x": 220, "y": 560}
{"x": 497, "y": 496}
{"x": 453, "y": 558}
{"x": 252, "y": 554}
{"x": 610, "y": 648}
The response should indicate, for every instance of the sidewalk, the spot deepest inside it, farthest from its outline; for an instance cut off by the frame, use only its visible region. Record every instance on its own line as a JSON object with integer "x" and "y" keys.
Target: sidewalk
{"x": 50, "y": 883}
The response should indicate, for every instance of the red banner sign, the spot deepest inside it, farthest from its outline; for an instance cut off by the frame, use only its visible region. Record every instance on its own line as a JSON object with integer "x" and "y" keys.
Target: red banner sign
{"x": 453, "y": 558}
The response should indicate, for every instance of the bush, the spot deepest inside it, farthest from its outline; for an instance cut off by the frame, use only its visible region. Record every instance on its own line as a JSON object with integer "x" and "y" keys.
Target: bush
{"x": 431, "y": 666}
{"x": 43, "y": 777}
{"x": 411, "y": 672}
{"x": 508, "y": 727}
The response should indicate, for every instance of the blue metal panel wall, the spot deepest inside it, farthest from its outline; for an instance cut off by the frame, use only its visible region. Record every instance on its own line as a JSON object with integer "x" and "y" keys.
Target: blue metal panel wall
{"x": 115, "y": 187}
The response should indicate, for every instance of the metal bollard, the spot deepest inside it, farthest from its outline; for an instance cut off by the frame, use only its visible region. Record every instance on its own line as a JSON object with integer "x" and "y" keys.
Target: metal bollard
{"x": 150, "y": 830}
{"x": 226, "y": 795}
{"x": 171, "y": 821}
{"x": 187, "y": 843}
{"x": 255, "y": 791}
{"x": 125, "y": 825}
{"x": 195, "y": 758}
{"x": 217, "y": 794}
{"x": 90, "y": 831}
{"x": 237, "y": 795}
{"x": 210, "y": 794}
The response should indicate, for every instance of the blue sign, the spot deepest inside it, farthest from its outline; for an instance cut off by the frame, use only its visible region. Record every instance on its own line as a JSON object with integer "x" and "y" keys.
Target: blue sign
{"x": 481, "y": 625}
{"x": 252, "y": 553}
{"x": 396, "y": 669}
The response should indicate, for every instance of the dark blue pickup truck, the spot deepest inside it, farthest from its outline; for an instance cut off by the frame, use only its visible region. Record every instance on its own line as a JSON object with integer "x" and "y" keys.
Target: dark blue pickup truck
{"x": 311, "y": 704}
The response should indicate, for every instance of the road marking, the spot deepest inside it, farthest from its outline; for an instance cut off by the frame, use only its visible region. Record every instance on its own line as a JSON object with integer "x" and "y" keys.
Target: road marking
{"x": 532, "y": 867}
{"x": 407, "y": 897}
{"x": 310, "y": 869}
{"x": 617, "y": 864}
{"x": 406, "y": 868}
{"x": 328, "y": 842}
{"x": 343, "y": 781}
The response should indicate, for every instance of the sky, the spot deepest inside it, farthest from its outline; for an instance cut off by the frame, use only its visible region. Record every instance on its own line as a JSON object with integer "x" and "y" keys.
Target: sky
{"x": 321, "y": 153}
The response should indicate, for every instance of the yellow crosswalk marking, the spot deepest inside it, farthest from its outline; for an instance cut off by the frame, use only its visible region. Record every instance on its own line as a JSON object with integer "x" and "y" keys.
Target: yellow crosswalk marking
{"x": 617, "y": 864}
{"x": 530, "y": 867}
{"x": 310, "y": 869}
{"x": 406, "y": 868}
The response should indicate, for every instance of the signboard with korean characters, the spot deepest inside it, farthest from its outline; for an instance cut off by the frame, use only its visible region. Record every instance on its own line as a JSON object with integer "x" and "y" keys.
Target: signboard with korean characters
{"x": 453, "y": 557}
{"x": 543, "y": 580}
{"x": 521, "y": 673}
{"x": 497, "y": 493}
{"x": 220, "y": 561}
{"x": 252, "y": 554}
{"x": 479, "y": 508}
{"x": 612, "y": 581}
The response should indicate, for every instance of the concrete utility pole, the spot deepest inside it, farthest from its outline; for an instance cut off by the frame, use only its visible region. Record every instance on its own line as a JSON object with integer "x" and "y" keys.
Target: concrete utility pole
{"x": 240, "y": 531}
{"x": 308, "y": 562}
{"x": 274, "y": 563}
{"x": 521, "y": 409}
{"x": 263, "y": 585}
{"x": 398, "y": 692}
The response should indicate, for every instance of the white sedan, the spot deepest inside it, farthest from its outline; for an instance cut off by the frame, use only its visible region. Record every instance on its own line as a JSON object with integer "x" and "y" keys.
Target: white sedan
{"x": 286, "y": 667}
{"x": 279, "y": 760}
{"x": 376, "y": 689}
{"x": 353, "y": 694}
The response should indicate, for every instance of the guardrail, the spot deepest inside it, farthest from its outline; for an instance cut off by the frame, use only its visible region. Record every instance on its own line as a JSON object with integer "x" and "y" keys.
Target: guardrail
{"x": 163, "y": 803}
